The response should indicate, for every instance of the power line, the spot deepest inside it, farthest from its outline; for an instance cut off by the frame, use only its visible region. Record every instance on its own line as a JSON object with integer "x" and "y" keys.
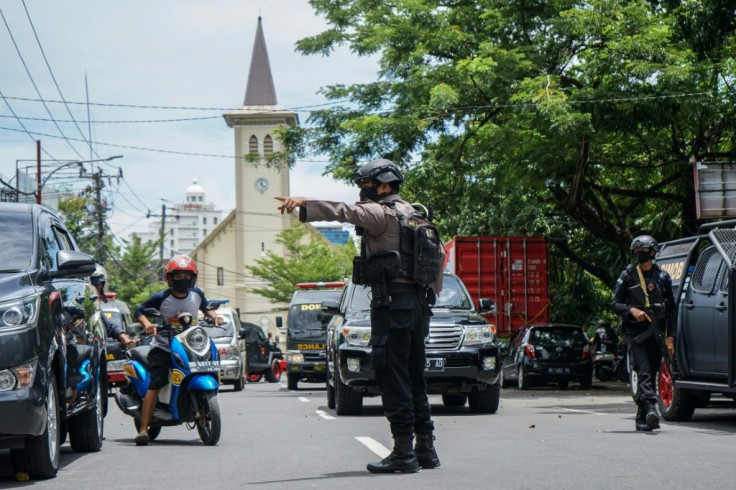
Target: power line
{"x": 33, "y": 82}
{"x": 51, "y": 72}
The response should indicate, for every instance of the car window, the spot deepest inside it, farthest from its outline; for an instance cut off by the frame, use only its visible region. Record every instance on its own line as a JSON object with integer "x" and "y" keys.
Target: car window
{"x": 706, "y": 270}
{"x": 516, "y": 339}
{"x": 16, "y": 241}
{"x": 360, "y": 299}
{"x": 453, "y": 295}
{"x": 65, "y": 241}
{"x": 51, "y": 246}
{"x": 557, "y": 336}
{"x": 305, "y": 312}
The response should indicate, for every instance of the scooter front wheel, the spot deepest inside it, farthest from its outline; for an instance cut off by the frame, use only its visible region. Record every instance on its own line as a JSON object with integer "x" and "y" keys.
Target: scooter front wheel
{"x": 208, "y": 419}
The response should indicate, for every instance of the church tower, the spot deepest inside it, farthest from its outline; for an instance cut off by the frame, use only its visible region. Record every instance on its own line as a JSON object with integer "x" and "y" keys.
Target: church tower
{"x": 257, "y": 221}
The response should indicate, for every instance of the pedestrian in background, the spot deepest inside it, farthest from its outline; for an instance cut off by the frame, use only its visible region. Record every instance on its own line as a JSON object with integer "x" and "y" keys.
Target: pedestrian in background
{"x": 641, "y": 291}
{"x": 400, "y": 307}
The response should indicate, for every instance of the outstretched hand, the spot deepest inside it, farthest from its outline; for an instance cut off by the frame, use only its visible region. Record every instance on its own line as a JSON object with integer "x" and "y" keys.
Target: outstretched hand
{"x": 289, "y": 203}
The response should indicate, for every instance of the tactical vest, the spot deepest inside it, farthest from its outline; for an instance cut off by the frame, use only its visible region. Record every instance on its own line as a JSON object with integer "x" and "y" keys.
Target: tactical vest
{"x": 419, "y": 258}
{"x": 655, "y": 290}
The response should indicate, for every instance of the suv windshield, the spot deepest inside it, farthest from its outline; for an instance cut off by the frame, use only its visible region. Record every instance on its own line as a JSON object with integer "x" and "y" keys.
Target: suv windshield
{"x": 453, "y": 296}
{"x": 307, "y": 314}
{"x": 16, "y": 241}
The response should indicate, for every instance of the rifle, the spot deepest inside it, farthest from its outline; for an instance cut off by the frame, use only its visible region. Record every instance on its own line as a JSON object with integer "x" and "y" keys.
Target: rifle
{"x": 653, "y": 329}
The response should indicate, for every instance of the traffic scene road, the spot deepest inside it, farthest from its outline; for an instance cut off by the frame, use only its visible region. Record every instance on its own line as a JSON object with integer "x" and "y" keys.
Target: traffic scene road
{"x": 540, "y": 438}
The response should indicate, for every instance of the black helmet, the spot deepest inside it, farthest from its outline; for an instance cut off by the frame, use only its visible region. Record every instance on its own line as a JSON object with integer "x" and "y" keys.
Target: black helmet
{"x": 644, "y": 241}
{"x": 380, "y": 170}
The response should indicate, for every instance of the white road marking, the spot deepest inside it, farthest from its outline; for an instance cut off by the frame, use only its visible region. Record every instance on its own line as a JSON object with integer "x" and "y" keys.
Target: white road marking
{"x": 324, "y": 415}
{"x": 582, "y": 411}
{"x": 374, "y": 446}
{"x": 303, "y": 399}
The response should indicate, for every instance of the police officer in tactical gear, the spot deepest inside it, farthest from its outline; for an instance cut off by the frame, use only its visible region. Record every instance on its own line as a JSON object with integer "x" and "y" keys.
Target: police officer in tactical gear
{"x": 643, "y": 291}
{"x": 400, "y": 309}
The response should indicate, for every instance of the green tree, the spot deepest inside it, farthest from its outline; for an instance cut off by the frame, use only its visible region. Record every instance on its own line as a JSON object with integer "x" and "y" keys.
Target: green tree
{"x": 134, "y": 275}
{"x": 576, "y": 120}
{"x": 315, "y": 261}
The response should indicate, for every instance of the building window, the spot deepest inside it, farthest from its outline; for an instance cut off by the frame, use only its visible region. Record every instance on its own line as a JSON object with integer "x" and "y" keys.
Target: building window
{"x": 204, "y": 220}
{"x": 220, "y": 276}
{"x": 214, "y": 220}
{"x": 267, "y": 145}
{"x": 204, "y": 232}
{"x": 171, "y": 243}
{"x": 253, "y": 144}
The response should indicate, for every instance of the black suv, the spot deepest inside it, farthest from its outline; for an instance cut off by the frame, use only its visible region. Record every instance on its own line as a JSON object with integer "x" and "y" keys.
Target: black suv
{"x": 462, "y": 352}
{"x": 262, "y": 357}
{"x": 52, "y": 342}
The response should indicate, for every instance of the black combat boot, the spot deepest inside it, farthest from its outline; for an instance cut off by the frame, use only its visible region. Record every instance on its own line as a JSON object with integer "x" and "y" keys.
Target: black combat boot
{"x": 402, "y": 459}
{"x": 641, "y": 417}
{"x": 652, "y": 417}
{"x": 426, "y": 454}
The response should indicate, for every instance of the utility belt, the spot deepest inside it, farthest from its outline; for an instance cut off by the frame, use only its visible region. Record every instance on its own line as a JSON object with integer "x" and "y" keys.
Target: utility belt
{"x": 382, "y": 272}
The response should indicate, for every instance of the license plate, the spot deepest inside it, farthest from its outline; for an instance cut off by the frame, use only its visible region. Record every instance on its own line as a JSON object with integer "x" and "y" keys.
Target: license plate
{"x": 559, "y": 370}
{"x": 435, "y": 365}
{"x": 319, "y": 367}
{"x": 204, "y": 366}
{"x": 113, "y": 366}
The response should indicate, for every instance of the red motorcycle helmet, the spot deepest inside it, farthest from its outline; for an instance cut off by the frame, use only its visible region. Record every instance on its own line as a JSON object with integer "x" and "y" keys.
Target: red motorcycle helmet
{"x": 181, "y": 263}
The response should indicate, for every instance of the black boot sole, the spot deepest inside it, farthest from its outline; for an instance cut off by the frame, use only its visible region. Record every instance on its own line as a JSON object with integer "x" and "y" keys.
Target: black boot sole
{"x": 407, "y": 469}
{"x": 652, "y": 421}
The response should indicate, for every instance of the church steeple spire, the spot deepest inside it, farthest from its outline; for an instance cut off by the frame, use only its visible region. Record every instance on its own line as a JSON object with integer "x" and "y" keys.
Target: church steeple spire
{"x": 260, "y": 89}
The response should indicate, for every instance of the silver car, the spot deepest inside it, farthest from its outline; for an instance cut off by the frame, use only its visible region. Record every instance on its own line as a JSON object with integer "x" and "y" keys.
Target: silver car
{"x": 230, "y": 347}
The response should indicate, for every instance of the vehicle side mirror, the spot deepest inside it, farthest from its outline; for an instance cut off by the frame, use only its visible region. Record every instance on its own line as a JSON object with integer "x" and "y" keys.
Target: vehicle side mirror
{"x": 486, "y": 305}
{"x": 243, "y": 333}
{"x": 72, "y": 263}
{"x": 331, "y": 307}
{"x": 279, "y": 322}
{"x": 151, "y": 312}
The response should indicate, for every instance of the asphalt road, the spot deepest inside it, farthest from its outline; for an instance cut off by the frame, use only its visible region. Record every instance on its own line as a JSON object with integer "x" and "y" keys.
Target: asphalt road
{"x": 541, "y": 438}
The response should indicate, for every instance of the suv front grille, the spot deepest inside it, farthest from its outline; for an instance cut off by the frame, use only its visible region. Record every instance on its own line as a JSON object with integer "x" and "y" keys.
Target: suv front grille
{"x": 314, "y": 356}
{"x": 444, "y": 337}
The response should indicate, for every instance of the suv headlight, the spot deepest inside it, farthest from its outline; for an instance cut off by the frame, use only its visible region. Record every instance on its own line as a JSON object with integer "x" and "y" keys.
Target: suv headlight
{"x": 295, "y": 357}
{"x": 20, "y": 312}
{"x": 359, "y": 336}
{"x": 475, "y": 335}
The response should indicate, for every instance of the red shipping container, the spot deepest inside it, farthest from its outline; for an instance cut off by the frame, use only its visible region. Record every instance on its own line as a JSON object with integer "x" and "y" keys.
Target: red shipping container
{"x": 512, "y": 271}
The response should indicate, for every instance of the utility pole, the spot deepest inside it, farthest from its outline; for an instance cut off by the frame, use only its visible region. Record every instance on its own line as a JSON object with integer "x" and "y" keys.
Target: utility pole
{"x": 38, "y": 172}
{"x": 162, "y": 234}
{"x": 100, "y": 223}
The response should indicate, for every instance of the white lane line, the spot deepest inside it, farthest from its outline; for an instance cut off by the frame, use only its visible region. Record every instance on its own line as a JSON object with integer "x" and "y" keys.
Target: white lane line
{"x": 324, "y": 415}
{"x": 303, "y": 399}
{"x": 582, "y": 411}
{"x": 374, "y": 446}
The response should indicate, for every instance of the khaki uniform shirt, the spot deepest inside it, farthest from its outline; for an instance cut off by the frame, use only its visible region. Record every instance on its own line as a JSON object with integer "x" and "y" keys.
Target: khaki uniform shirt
{"x": 379, "y": 222}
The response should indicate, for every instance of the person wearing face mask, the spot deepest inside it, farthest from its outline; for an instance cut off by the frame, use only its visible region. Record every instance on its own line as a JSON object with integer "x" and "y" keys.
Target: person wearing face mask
{"x": 643, "y": 290}
{"x": 400, "y": 307}
{"x": 181, "y": 296}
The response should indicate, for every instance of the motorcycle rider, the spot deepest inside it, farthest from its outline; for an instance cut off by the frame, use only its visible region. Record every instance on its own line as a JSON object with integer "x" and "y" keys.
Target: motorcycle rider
{"x": 641, "y": 291}
{"x": 604, "y": 336}
{"x": 98, "y": 280}
{"x": 181, "y": 275}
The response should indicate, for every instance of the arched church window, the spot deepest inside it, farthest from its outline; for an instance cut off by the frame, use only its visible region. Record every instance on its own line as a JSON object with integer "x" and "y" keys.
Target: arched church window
{"x": 267, "y": 145}
{"x": 253, "y": 144}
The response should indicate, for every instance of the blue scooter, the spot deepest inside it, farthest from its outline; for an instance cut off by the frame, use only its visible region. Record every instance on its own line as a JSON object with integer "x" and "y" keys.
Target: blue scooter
{"x": 191, "y": 396}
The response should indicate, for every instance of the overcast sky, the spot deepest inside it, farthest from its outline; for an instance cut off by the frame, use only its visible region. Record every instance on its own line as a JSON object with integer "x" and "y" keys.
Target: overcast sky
{"x": 162, "y": 54}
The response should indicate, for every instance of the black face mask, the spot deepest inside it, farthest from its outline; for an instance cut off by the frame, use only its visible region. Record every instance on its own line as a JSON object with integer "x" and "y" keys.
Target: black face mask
{"x": 643, "y": 256}
{"x": 181, "y": 285}
{"x": 369, "y": 194}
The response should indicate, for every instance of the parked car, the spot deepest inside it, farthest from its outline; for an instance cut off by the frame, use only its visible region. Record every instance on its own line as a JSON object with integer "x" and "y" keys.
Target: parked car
{"x": 263, "y": 357}
{"x": 52, "y": 342}
{"x": 118, "y": 313}
{"x": 231, "y": 347}
{"x": 462, "y": 354}
{"x": 547, "y": 353}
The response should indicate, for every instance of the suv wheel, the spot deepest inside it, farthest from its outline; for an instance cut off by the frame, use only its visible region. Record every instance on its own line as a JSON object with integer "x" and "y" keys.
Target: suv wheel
{"x": 675, "y": 404}
{"x": 485, "y": 401}
{"x": 86, "y": 429}
{"x": 273, "y": 375}
{"x": 40, "y": 456}
{"x": 292, "y": 380}
{"x": 348, "y": 402}
{"x": 504, "y": 382}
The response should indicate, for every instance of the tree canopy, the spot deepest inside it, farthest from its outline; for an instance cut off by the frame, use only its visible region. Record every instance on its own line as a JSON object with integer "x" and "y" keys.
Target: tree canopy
{"x": 576, "y": 120}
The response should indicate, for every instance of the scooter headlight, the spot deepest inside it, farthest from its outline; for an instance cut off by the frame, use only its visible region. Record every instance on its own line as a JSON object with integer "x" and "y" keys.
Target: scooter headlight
{"x": 198, "y": 340}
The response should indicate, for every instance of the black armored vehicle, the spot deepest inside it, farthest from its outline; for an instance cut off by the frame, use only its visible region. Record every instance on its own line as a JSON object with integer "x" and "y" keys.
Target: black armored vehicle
{"x": 702, "y": 269}
{"x": 463, "y": 363}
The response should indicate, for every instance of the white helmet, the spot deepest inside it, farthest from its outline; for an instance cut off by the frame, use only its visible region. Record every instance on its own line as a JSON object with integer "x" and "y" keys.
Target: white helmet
{"x": 98, "y": 276}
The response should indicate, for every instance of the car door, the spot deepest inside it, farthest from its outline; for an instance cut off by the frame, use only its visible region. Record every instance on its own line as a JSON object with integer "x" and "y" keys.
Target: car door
{"x": 720, "y": 325}
{"x": 510, "y": 360}
{"x": 698, "y": 334}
